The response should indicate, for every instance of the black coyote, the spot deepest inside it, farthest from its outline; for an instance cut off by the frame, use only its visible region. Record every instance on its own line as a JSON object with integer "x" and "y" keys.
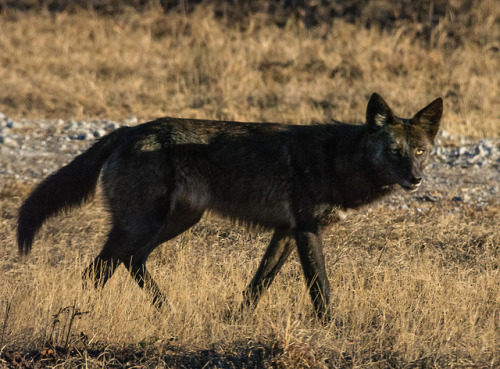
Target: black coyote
{"x": 160, "y": 177}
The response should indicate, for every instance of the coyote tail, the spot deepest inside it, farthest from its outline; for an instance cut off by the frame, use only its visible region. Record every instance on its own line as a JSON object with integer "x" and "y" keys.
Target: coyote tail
{"x": 72, "y": 185}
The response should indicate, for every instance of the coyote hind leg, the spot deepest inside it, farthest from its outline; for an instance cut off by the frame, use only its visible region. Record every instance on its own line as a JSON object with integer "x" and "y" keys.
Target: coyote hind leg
{"x": 135, "y": 234}
{"x": 179, "y": 220}
{"x": 104, "y": 265}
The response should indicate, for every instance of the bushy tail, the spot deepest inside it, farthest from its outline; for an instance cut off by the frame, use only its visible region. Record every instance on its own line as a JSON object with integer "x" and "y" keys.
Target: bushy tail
{"x": 70, "y": 186}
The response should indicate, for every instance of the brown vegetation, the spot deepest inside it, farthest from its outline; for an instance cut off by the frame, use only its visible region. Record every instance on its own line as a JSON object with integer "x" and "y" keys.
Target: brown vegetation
{"x": 408, "y": 288}
{"x": 82, "y": 65}
{"x": 411, "y": 288}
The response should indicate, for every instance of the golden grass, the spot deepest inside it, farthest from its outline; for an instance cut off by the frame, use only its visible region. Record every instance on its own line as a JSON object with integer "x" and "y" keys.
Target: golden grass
{"x": 407, "y": 289}
{"x": 85, "y": 66}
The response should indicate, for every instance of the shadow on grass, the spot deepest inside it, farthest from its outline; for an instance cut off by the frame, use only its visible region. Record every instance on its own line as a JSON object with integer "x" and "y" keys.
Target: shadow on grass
{"x": 266, "y": 353}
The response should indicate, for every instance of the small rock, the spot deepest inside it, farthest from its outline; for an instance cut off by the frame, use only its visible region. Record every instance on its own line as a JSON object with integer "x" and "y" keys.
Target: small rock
{"x": 446, "y": 135}
{"x": 71, "y": 125}
{"x": 99, "y": 133}
{"x": 111, "y": 126}
{"x": 485, "y": 148}
{"x": 83, "y": 136}
{"x": 53, "y": 129}
{"x": 9, "y": 142}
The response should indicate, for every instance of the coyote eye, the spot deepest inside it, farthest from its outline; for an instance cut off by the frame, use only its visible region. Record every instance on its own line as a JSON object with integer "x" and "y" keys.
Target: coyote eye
{"x": 419, "y": 151}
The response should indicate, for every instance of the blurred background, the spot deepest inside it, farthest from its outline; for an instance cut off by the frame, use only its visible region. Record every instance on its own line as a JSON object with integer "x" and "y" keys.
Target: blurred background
{"x": 278, "y": 60}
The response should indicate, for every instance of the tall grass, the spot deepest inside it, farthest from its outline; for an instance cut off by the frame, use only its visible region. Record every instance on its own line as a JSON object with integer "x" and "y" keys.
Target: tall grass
{"x": 408, "y": 288}
{"x": 85, "y": 66}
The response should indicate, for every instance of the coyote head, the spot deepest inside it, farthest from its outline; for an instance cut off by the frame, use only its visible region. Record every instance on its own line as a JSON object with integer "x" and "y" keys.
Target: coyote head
{"x": 397, "y": 148}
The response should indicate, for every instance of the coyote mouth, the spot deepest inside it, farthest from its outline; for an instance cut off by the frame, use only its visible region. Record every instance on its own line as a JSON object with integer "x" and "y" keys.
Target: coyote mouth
{"x": 410, "y": 187}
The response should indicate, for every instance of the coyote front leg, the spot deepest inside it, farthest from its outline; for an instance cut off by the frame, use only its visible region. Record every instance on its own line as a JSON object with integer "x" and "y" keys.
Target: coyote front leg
{"x": 278, "y": 251}
{"x": 313, "y": 263}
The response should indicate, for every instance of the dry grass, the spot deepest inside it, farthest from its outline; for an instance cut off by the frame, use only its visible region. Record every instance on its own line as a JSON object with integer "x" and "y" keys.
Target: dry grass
{"x": 83, "y": 65}
{"x": 416, "y": 289}
{"x": 409, "y": 289}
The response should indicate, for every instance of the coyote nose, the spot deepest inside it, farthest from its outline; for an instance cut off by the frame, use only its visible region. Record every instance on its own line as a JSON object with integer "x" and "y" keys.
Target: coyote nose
{"x": 417, "y": 180}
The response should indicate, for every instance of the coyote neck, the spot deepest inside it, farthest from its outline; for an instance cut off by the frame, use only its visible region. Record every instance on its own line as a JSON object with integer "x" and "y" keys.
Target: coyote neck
{"x": 355, "y": 181}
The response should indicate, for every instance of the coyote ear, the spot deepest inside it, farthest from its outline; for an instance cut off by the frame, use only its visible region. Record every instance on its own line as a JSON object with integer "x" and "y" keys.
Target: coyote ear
{"x": 429, "y": 117}
{"x": 378, "y": 112}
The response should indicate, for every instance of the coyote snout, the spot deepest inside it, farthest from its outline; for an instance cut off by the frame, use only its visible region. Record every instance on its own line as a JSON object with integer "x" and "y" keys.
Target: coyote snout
{"x": 411, "y": 185}
{"x": 159, "y": 178}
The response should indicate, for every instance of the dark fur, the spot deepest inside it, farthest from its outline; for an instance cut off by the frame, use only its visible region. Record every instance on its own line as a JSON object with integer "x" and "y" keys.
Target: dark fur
{"x": 160, "y": 177}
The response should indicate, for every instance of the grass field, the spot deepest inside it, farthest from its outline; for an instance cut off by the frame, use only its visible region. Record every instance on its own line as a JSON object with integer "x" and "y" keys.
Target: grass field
{"x": 410, "y": 288}
{"x": 149, "y": 65}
